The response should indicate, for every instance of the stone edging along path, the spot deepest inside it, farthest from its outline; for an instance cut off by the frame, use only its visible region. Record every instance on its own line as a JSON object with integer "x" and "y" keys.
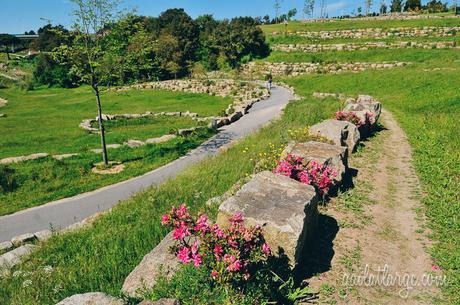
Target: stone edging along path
{"x": 315, "y": 48}
{"x": 3, "y": 103}
{"x": 428, "y": 31}
{"x": 285, "y": 208}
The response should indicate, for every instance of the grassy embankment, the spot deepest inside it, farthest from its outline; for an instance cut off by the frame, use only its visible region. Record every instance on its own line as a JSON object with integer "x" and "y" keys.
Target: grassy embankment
{"x": 426, "y": 102}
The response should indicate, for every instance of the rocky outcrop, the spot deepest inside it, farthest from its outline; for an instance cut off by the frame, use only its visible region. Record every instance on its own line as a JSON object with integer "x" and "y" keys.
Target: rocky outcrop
{"x": 92, "y": 298}
{"x": 341, "y": 133}
{"x": 330, "y": 155}
{"x": 13, "y": 257}
{"x": 259, "y": 69}
{"x": 3, "y": 102}
{"x": 159, "y": 262}
{"x": 284, "y": 208}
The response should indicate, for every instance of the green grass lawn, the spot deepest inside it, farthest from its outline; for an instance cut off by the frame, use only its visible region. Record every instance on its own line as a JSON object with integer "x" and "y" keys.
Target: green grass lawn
{"x": 296, "y": 39}
{"x": 47, "y": 120}
{"x": 41, "y": 181}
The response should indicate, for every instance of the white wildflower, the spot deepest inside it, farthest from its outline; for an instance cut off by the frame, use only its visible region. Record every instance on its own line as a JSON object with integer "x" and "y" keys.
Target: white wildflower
{"x": 27, "y": 283}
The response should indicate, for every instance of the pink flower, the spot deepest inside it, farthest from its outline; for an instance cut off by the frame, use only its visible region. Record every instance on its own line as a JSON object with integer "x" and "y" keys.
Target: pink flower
{"x": 181, "y": 232}
{"x": 196, "y": 260}
{"x": 182, "y": 211}
{"x": 214, "y": 274}
{"x": 435, "y": 267}
{"x": 218, "y": 251}
{"x": 165, "y": 219}
{"x": 304, "y": 177}
{"x": 266, "y": 249}
{"x": 195, "y": 247}
{"x": 184, "y": 255}
{"x": 201, "y": 224}
{"x": 237, "y": 218}
{"x": 235, "y": 266}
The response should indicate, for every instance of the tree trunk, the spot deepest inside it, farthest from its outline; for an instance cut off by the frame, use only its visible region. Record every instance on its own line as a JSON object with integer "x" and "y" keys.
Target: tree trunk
{"x": 101, "y": 125}
{"x": 7, "y": 55}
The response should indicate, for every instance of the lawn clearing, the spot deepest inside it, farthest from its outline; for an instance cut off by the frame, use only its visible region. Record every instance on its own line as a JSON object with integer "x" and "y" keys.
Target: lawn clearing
{"x": 47, "y": 120}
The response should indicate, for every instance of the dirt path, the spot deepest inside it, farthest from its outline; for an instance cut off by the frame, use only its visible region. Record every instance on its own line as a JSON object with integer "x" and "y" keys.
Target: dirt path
{"x": 380, "y": 225}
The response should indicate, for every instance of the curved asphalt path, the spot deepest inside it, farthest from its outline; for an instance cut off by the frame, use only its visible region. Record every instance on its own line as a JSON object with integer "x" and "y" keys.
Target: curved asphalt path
{"x": 62, "y": 213}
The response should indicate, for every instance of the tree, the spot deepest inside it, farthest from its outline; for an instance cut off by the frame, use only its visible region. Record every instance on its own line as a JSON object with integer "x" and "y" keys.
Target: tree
{"x": 323, "y": 8}
{"x": 412, "y": 5}
{"x": 8, "y": 43}
{"x": 50, "y": 37}
{"x": 291, "y": 13}
{"x": 308, "y": 7}
{"x": 383, "y": 8}
{"x": 86, "y": 53}
{"x": 277, "y": 7}
{"x": 368, "y": 4}
{"x": 266, "y": 19}
{"x": 360, "y": 10}
{"x": 396, "y": 6}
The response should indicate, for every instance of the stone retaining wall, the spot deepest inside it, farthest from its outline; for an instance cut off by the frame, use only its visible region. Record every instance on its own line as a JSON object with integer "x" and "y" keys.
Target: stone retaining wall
{"x": 258, "y": 69}
{"x": 427, "y": 31}
{"x": 315, "y": 48}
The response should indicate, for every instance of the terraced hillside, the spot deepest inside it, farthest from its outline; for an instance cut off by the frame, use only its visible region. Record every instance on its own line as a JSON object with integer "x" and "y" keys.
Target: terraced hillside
{"x": 400, "y": 211}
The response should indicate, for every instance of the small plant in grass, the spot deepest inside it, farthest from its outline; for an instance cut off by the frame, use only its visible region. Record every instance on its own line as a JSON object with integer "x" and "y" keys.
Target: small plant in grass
{"x": 230, "y": 255}
{"x": 303, "y": 135}
{"x": 313, "y": 173}
{"x": 7, "y": 179}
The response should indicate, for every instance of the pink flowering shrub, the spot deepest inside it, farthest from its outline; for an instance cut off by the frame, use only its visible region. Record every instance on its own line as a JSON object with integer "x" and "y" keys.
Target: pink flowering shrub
{"x": 315, "y": 174}
{"x": 351, "y": 117}
{"x": 230, "y": 255}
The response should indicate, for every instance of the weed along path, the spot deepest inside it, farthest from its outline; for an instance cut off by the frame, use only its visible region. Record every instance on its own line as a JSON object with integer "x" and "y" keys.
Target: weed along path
{"x": 65, "y": 212}
{"x": 381, "y": 227}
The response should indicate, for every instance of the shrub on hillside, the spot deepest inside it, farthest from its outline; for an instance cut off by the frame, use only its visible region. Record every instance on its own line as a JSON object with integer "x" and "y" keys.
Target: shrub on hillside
{"x": 318, "y": 175}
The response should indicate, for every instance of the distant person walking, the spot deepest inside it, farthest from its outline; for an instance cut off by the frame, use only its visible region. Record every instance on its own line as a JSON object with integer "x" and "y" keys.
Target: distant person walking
{"x": 269, "y": 82}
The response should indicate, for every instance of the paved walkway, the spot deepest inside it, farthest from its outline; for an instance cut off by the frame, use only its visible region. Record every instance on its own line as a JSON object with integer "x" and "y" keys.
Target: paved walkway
{"x": 62, "y": 213}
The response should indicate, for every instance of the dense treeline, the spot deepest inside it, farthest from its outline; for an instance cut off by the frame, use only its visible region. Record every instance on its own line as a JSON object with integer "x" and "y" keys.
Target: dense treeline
{"x": 169, "y": 46}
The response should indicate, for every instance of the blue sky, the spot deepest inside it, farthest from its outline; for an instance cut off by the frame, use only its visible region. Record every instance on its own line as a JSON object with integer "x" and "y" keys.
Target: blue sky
{"x": 18, "y": 16}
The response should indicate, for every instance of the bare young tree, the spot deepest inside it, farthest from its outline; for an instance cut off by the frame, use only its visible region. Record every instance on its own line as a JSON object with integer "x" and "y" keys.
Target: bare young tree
{"x": 86, "y": 53}
{"x": 323, "y": 8}
{"x": 277, "y": 7}
{"x": 368, "y": 6}
{"x": 308, "y": 7}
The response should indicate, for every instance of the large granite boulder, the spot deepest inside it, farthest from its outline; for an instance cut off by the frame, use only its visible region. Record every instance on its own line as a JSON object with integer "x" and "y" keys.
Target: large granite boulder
{"x": 284, "y": 208}
{"x": 341, "y": 133}
{"x": 91, "y": 298}
{"x": 331, "y": 155}
{"x": 363, "y": 104}
{"x": 160, "y": 261}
